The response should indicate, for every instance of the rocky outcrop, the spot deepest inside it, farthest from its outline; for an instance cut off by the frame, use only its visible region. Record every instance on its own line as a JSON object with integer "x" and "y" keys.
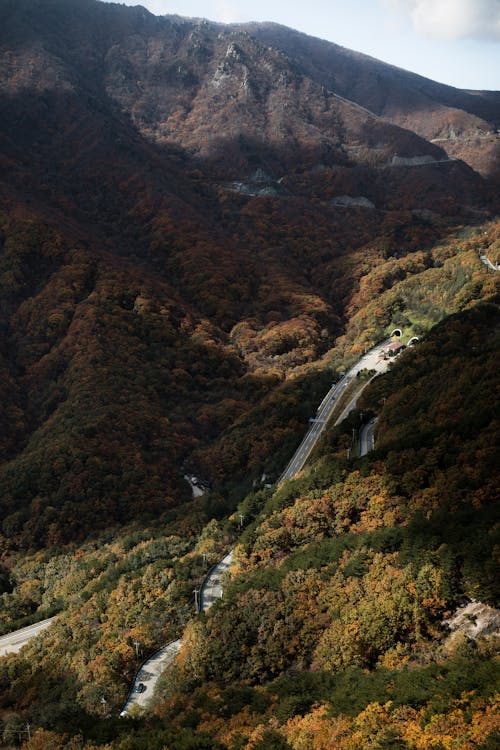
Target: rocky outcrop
{"x": 472, "y": 621}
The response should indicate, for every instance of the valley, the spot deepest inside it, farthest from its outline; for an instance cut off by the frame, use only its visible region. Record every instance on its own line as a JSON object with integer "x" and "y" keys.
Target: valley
{"x": 211, "y": 589}
{"x": 206, "y": 231}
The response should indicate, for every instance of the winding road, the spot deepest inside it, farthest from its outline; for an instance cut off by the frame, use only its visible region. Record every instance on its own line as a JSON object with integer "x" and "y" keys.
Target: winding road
{"x": 211, "y": 589}
{"x": 489, "y": 265}
{"x": 146, "y": 678}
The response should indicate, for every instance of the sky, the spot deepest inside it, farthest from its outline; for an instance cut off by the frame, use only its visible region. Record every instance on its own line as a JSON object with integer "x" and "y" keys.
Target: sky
{"x": 451, "y": 41}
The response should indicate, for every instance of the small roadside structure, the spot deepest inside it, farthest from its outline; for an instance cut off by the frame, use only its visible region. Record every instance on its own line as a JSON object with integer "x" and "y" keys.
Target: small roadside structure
{"x": 395, "y": 348}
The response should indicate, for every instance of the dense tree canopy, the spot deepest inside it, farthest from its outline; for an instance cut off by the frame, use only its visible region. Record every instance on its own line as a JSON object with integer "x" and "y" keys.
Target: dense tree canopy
{"x": 199, "y": 232}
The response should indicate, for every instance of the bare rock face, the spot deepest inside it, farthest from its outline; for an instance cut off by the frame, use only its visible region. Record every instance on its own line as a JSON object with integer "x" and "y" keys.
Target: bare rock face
{"x": 472, "y": 621}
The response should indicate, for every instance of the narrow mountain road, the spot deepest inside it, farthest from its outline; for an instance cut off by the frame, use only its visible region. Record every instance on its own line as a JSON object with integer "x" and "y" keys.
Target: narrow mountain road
{"x": 211, "y": 589}
{"x": 489, "y": 265}
{"x": 144, "y": 684}
{"x": 13, "y": 642}
{"x": 369, "y": 361}
{"x": 147, "y": 676}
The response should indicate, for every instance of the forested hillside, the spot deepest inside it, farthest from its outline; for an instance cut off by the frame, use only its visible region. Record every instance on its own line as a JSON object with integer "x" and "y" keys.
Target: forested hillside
{"x": 332, "y": 625}
{"x": 201, "y": 227}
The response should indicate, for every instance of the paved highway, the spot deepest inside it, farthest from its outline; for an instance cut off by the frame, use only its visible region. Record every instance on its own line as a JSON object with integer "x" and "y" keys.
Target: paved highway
{"x": 354, "y": 400}
{"x": 13, "y": 642}
{"x": 370, "y": 361}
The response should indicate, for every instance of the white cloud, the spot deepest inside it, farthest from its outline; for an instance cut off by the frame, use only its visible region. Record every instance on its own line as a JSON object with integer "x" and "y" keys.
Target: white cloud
{"x": 453, "y": 19}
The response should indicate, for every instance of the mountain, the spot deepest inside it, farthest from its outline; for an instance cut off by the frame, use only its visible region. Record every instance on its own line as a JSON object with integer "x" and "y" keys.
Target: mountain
{"x": 201, "y": 227}
{"x": 464, "y": 123}
{"x": 234, "y": 96}
{"x": 265, "y": 88}
{"x": 191, "y": 216}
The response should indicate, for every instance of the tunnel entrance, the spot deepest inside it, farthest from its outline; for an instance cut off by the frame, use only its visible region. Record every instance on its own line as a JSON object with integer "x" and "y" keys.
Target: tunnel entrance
{"x": 397, "y": 332}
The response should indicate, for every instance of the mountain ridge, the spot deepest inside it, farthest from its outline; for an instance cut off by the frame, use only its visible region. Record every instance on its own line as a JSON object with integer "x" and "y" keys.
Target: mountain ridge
{"x": 195, "y": 43}
{"x": 197, "y": 238}
{"x": 376, "y": 85}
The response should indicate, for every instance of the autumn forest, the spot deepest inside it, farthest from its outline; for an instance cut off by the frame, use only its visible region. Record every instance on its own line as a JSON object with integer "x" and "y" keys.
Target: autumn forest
{"x": 202, "y": 227}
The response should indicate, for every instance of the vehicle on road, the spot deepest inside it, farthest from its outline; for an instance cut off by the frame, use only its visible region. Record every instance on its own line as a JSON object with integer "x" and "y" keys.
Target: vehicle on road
{"x": 141, "y": 687}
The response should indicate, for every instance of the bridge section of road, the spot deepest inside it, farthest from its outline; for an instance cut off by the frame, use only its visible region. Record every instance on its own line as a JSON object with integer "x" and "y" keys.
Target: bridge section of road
{"x": 144, "y": 684}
